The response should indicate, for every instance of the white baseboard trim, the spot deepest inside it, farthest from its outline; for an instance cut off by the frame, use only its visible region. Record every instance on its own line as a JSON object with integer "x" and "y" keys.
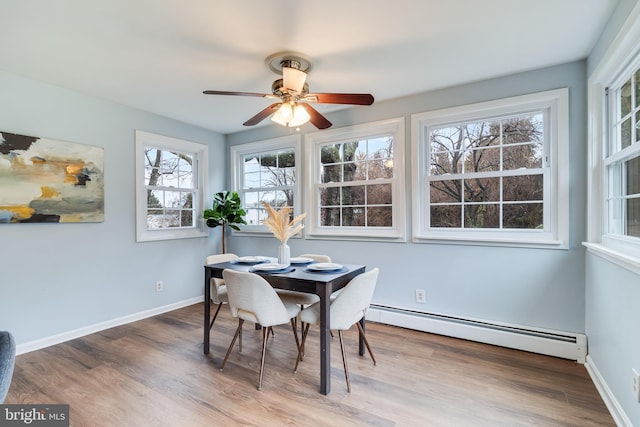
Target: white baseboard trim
{"x": 566, "y": 345}
{"x": 616, "y": 411}
{"x": 97, "y": 327}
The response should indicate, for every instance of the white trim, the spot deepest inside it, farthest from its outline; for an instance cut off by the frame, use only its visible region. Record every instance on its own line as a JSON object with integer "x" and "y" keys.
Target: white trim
{"x": 397, "y": 233}
{"x": 609, "y": 399}
{"x": 269, "y": 145}
{"x": 201, "y": 156}
{"x": 573, "y": 346}
{"x": 97, "y": 327}
{"x": 557, "y": 214}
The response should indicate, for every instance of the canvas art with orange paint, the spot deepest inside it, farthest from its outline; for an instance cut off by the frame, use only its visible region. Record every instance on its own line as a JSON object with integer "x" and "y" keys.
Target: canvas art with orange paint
{"x": 45, "y": 180}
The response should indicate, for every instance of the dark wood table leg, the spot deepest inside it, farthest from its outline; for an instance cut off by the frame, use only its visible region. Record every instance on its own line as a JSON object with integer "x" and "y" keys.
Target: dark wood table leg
{"x": 324, "y": 292}
{"x": 207, "y": 307}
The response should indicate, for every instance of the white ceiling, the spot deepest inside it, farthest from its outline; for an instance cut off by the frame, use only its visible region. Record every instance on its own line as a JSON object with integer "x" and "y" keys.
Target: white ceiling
{"x": 159, "y": 55}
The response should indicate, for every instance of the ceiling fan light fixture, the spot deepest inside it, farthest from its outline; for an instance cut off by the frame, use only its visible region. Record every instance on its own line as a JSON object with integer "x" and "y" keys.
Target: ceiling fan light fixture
{"x": 291, "y": 115}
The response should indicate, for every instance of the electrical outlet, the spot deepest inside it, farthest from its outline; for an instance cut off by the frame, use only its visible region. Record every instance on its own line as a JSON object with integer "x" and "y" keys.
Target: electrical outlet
{"x": 159, "y": 286}
{"x": 636, "y": 384}
{"x": 421, "y": 296}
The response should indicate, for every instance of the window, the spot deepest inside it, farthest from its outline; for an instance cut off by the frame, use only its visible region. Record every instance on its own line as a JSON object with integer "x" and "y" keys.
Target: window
{"x": 266, "y": 171}
{"x": 622, "y": 159}
{"x": 356, "y": 185}
{"x": 495, "y": 172}
{"x": 614, "y": 151}
{"x": 169, "y": 187}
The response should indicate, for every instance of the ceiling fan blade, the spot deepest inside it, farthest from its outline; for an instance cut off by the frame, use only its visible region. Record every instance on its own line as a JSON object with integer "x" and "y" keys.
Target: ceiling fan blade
{"x": 223, "y": 92}
{"x": 317, "y": 119}
{"x": 262, "y": 115}
{"x": 340, "y": 98}
{"x": 293, "y": 79}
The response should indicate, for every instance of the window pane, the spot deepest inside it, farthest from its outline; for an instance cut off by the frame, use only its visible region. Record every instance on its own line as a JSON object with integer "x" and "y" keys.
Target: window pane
{"x": 523, "y": 129}
{"x": 186, "y": 218}
{"x": 353, "y": 195}
{"x": 482, "y": 160}
{"x": 444, "y": 163}
{"x": 287, "y": 159}
{"x": 625, "y": 133}
{"x": 637, "y": 126}
{"x": 331, "y": 173}
{"x": 446, "y": 216}
{"x": 380, "y": 169}
{"x": 522, "y": 156}
{"x": 330, "y": 196}
{"x": 379, "y": 194}
{"x": 521, "y": 188}
{"x": 353, "y": 216}
{"x": 330, "y": 217}
{"x": 524, "y": 215}
{"x": 633, "y": 217}
{"x": 446, "y": 191}
{"x": 625, "y": 99}
{"x": 636, "y": 84}
{"x": 330, "y": 154}
{"x": 380, "y": 216}
{"x": 632, "y": 168}
{"x": 482, "y": 190}
{"x": 354, "y": 171}
{"x": 482, "y": 216}
{"x": 481, "y": 134}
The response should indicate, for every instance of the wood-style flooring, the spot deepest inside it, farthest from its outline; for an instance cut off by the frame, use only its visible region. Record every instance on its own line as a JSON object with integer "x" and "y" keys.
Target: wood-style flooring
{"x": 153, "y": 373}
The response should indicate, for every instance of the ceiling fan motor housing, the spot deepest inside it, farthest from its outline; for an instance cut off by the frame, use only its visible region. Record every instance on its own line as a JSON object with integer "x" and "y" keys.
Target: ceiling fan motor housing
{"x": 278, "y": 89}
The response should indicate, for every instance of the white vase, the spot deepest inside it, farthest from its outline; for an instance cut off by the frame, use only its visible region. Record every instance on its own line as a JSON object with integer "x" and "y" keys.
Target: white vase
{"x": 284, "y": 254}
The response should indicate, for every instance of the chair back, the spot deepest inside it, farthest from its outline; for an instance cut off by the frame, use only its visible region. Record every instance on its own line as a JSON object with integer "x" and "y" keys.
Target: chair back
{"x": 353, "y": 300}
{"x": 216, "y": 284}
{"x": 317, "y": 257}
{"x": 252, "y": 298}
{"x": 7, "y": 362}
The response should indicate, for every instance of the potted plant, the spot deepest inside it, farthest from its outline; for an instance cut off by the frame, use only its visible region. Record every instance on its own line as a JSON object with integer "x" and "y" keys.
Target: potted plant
{"x": 226, "y": 210}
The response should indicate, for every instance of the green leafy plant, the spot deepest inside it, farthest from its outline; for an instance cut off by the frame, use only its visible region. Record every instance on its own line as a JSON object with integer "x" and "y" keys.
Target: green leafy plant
{"x": 226, "y": 210}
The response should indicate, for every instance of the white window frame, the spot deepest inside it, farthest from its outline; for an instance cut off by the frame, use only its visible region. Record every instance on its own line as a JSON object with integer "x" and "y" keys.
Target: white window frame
{"x": 314, "y": 141}
{"x": 556, "y": 191}
{"x": 238, "y": 152}
{"x": 622, "y": 56}
{"x": 200, "y": 153}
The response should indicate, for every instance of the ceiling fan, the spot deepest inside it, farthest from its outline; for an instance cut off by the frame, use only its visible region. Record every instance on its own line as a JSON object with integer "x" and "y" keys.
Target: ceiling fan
{"x": 292, "y": 90}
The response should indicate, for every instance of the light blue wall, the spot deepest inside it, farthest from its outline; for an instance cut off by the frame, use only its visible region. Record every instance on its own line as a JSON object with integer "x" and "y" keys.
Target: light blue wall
{"x": 612, "y": 292}
{"x": 534, "y": 287}
{"x": 56, "y": 278}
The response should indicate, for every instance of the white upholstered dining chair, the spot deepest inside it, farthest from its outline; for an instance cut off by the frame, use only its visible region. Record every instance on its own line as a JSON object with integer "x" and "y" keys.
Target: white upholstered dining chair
{"x": 252, "y": 298}
{"x": 346, "y": 309}
{"x": 218, "y": 288}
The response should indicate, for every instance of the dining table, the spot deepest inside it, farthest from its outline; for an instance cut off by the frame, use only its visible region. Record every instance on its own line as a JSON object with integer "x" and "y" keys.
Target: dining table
{"x": 300, "y": 278}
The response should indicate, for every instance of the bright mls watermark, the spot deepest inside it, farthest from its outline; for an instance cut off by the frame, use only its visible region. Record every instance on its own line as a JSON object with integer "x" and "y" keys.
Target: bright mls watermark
{"x": 34, "y": 415}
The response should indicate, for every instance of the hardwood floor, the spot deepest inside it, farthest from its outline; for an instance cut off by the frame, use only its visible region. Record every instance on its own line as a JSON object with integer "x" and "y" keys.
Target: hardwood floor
{"x": 153, "y": 373}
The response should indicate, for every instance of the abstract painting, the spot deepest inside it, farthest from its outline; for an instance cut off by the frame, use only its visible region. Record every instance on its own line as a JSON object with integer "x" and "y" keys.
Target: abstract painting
{"x": 45, "y": 180}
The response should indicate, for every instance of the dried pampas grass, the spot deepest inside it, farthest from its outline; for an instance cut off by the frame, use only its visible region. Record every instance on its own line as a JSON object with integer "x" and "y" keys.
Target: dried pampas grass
{"x": 278, "y": 222}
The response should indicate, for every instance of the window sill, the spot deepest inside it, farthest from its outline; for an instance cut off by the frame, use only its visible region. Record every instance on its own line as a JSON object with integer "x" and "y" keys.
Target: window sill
{"x": 631, "y": 263}
{"x": 519, "y": 243}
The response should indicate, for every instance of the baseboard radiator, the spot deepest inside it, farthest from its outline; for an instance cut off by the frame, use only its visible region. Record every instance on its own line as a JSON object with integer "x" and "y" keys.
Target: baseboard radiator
{"x": 566, "y": 345}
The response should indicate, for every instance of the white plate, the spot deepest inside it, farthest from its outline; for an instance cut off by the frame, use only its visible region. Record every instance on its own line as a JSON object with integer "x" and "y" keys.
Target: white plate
{"x": 325, "y": 266}
{"x": 300, "y": 260}
{"x": 270, "y": 267}
{"x": 251, "y": 259}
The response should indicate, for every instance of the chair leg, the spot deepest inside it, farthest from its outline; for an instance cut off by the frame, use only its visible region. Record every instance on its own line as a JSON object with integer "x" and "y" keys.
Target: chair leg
{"x": 233, "y": 341}
{"x": 304, "y": 338}
{"x": 364, "y": 337}
{"x": 344, "y": 361}
{"x": 215, "y": 315}
{"x": 265, "y": 337}
{"x": 295, "y": 335}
